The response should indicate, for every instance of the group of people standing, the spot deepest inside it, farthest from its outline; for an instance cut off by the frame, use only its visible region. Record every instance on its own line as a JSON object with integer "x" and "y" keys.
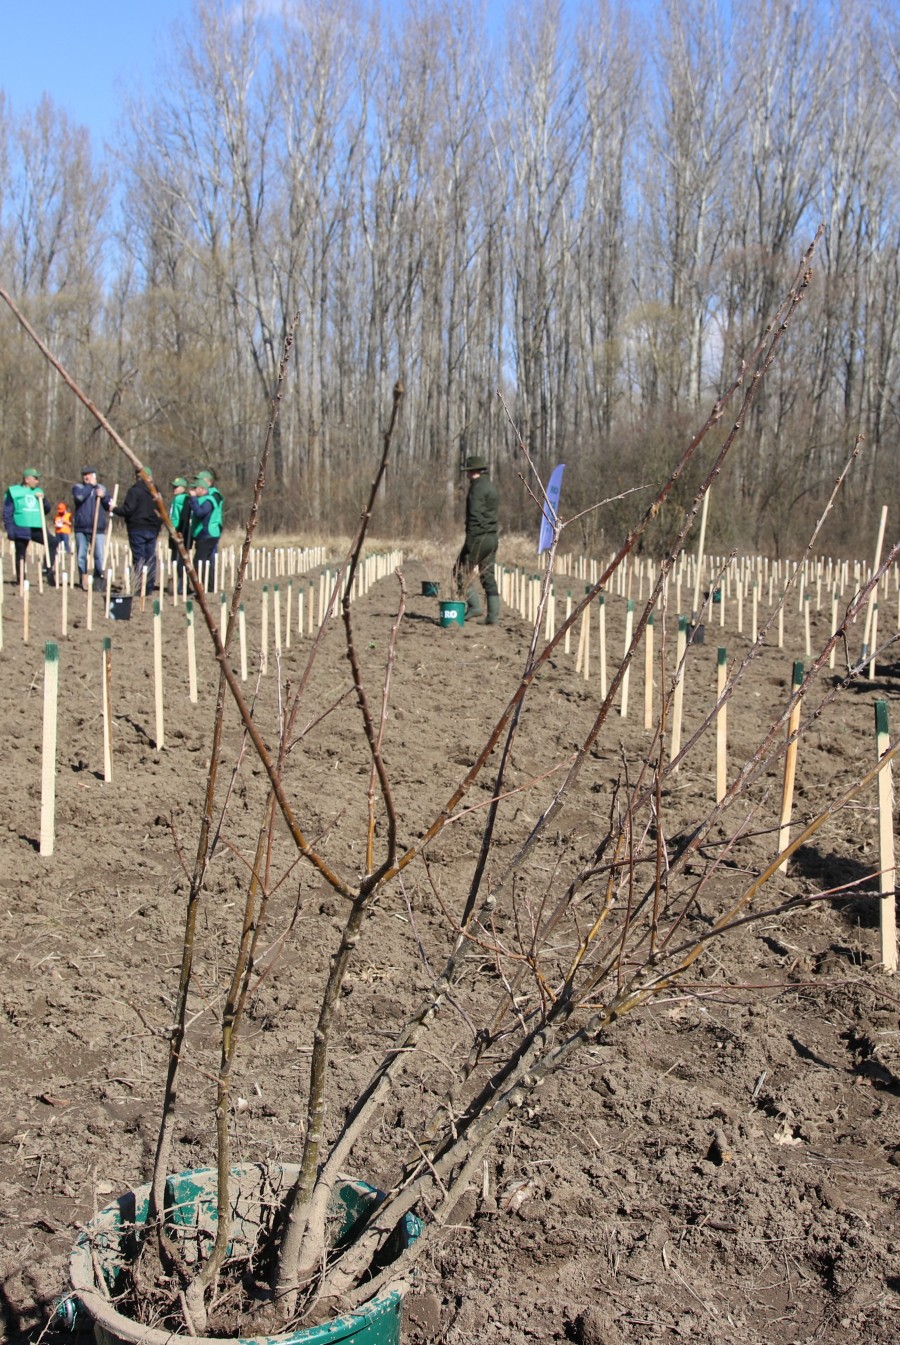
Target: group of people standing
{"x": 196, "y": 511}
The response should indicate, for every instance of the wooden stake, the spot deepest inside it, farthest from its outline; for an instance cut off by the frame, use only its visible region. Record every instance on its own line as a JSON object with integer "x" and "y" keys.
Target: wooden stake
{"x": 629, "y": 629}
{"x": 276, "y": 609}
{"x": 287, "y": 613}
{"x": 698, "y": 578}
{"x": 48, "y": 754}
{"x": 648, "y": 674}
{"x": 158, "y": 671}
{"x": 790, "y": 768}
{"x": 721, "y": 727}
{"x": 873, "y": 596}
{"x": 26, "y": 603}
{"x": 550, "y": 616}
{"x": 106, "y": 687}
{"x": 807, "y": 636}
{"x": 192, "y": 652}
{"x": 886, "y": 861}
{"x": 264, "y": 636}
{"x": 602, "y": 618}
{"x": 567, "y": 644}
{"x": 242, "y": 638}
{"x": 583, "y": 637}
{"x": 64, "y": 605}
{"x": 834, "y": 622}
{"x": 678, "y": 705}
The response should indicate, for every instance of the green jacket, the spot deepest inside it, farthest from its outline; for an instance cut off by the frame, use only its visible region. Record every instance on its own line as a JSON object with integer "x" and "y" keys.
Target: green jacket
{"x": 482, "y": 509}
{"x": 27, "y": 506}
{"x": 180, "y": 516}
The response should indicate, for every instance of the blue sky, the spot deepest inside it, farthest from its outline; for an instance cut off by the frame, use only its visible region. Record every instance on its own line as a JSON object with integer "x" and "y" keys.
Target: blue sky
{"x": 83, "y": 53}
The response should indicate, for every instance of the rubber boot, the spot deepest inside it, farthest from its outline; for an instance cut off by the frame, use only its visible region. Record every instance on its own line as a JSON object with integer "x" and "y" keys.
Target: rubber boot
{"x": 473, "y": 602}
{"x": 493, "y": 611}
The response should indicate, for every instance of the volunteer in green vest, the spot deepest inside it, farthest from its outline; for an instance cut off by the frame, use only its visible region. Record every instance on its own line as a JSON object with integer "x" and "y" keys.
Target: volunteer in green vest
{"x": 207, "y": 508}
{"x": 479, "y": 551}
{"x": 180, "y": 514}
{"x": 23, "y": 507}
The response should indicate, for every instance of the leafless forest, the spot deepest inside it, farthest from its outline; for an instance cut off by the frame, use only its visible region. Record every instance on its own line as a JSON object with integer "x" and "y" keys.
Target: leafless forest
{"x": 590, "y": 211}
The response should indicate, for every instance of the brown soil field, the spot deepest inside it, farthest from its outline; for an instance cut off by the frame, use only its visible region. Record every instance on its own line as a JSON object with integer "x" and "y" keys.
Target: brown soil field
{"x": 606, "y": 1214}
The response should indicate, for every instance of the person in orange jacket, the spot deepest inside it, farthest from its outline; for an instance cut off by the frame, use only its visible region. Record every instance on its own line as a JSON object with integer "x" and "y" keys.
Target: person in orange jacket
{"x": 62, "y": 523}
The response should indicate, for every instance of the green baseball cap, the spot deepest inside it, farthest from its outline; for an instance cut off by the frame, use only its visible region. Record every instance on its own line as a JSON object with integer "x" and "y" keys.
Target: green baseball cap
{"x": 31, "y": 471}
{"x": 200, "y": 482}
{"x": 180, "y": 481}
{"x": 205, "y": 475}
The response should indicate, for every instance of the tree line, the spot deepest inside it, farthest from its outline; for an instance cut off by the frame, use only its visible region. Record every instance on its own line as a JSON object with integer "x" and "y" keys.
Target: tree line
{"x": 591, "y": 213}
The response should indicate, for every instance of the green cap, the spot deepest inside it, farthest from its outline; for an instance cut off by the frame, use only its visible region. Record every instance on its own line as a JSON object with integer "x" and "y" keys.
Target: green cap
{"x": 205, "y": 475}
{"x": 30, "y": 471}
{"x": 475, "y": 464}
{"x": 200, "y": 483}
{"x": 180, "y": 481}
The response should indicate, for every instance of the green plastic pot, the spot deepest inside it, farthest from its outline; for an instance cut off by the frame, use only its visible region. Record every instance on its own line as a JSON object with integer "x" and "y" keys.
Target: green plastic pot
{"x": 114, "y": 1236}
{"x": 453, "y": 613}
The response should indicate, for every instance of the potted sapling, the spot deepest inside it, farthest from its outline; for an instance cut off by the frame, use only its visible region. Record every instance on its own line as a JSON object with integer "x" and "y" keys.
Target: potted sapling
{"x": 529, "y": 969}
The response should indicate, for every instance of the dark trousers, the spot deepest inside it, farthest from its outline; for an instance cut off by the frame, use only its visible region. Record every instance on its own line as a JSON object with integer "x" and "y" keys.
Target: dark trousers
{"x": 206, "y": 550}
{"x": 478, "y": 555}
{"x": 143, "y": 557}
{"x": 20, "y": 545}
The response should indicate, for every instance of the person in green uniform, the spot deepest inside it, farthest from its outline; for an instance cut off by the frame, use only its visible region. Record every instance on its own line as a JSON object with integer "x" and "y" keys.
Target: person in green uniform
{"x": 206, "y": 505}
{"x": 479, "y": 551}
{"x": 23, "y": 507}
{"x": 180, "y": 514}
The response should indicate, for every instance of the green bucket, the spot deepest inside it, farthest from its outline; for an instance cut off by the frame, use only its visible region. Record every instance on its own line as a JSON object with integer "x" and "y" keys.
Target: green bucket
{"x": 453, "y": 613}
{"x": 114, "y": 1236}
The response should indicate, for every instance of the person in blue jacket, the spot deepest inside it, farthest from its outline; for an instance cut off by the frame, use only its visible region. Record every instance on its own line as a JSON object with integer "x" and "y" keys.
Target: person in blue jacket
{"x": 23, "y": 505}
{"x": 207, "y": 508}
{"x": 92, "y": 505}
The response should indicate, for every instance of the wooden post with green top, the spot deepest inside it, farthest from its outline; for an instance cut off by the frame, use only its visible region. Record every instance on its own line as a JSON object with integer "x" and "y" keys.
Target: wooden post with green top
{"x": 721, "y": 726}
{"x": 48, "y": 753}
{"x": 648, "y": 674}
{"x": 191, "y": 652}
{"x": 106, "y": 695}
{"x": 158, "y": 672}
{"x": 886, "y": 862}
{"x": 678, "y": 700}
